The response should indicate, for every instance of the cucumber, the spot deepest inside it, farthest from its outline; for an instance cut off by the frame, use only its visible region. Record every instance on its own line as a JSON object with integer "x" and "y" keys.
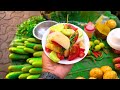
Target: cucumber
{"x": 53, "y": 56}
{"x": 38, "y": 47}
{"x": 24, "y": 76}
{"x": 29, "y": 45}
{"x": 18, "y": 40}
{"x": 14, "y": 56}
{"x": 37, "y": 64}
{"x": 15, "y": 44}
{"x": 33, "y": 40}
{"x": 35, "y": 70}
{"x": 33, "y": 76}
{"x": 29, "y": 50}
{"x": 24, "y": 39}
{"x": 15, "y": 68}
{"x": 21, "y": 47}
{"x": 37, "y": 54}
{"x": 26, "y": 68}
{"x": 13, "y": 75}
{"x": 33, "y": 60}
{"x": 17, "y": 50}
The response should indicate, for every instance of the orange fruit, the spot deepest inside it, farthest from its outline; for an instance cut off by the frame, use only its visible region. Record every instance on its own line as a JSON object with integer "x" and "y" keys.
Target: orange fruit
{"x": 111, "y": 23}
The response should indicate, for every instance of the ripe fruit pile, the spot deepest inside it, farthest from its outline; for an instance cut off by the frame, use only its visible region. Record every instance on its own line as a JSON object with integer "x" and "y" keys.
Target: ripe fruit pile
{"x": 104, "y": 72}
{"x": 29, "y": 52}
{"x": 95, "y": 48}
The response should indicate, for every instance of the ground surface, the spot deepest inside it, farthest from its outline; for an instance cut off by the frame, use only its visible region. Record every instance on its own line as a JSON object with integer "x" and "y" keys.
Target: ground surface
{"x": 8, "y": 26}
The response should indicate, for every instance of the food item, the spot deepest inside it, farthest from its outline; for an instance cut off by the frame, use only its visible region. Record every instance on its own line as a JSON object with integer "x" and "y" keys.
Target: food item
{"x": 33, "y": 76}
{"x": 53, "y": 47}
{"x": 89, "y": 52}
{"x": 96, "y": 73}
{"x": 91, "y": 43}
{"x": 111, "y": 23}
{"x": 37, "y": 64}
{"x": 89, "y": 29}
{"x": 106, "y": 68}
{"x": 33, "y": 60}
{"x": 96, "y": 42}
{"x": 53, "y": 56}
{"x": 14, "y": 56}
{"x": 35, "y": 70}
{"x": 66, "y": 53}
{"x": 60, "y": 44}
{"x": 13, "y": 75}
{"x": 33, "y": 40}
{"x": 37, "y": 54}
{"x": 24, "y": 76}
{"x": 37, "y": 47}
{"x": 92, "y": 78}
{"x": 116, "y": 51}
{"x": 110, "y": 75}
{"x": 26, "y": 68}
{"x": 116, "y": 60}
{"x": 15, "y": 44}
{"x": 15, "y": 68}
{"x": 25, "y": 28}
{"x": 102, "y": 45}
{"x": 117, "y": 66}
{"x": 60, "y": 39}
{"x": 30, "y": 45}
{"x": 80, "y": 77}
{"x": 17, "y": 50}
{"x": 102, "y": 30}
{"x": 29, "y": 50}
{"x": 97, "y": 47}
{"x": 21, "y": 47}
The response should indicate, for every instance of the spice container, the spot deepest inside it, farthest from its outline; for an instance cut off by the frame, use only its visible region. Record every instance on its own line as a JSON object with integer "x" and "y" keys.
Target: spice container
{"x": 89, "y": 29}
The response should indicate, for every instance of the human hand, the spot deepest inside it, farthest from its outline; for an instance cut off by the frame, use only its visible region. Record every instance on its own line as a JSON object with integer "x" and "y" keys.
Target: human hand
{"x": 59, "y": 70}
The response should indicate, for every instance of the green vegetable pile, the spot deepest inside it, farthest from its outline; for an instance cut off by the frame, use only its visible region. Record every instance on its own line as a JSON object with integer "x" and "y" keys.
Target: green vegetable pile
{"x": 25, "y": 54}
{"x": 25, "y": 28}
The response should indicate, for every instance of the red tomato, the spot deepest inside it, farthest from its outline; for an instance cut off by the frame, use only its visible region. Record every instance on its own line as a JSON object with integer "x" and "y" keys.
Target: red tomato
{"x": 61, "y": 57}
{"x": 72, "y": 27}
{"x": 81, "y": 54}
{"x": 74, "y": 52}
{"x": 47, "y": 49}
{"x": 82, "y": 49}
{"x": 67, "y": 26}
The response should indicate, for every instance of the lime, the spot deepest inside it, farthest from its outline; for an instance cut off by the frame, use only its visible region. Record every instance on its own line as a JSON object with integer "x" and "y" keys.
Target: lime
{"x": 97, "y": 47}
{"x": 96, "y": 42}
{"x": 89, "y": 52}
{"x": 91, "y": 43}
{"x": 102, "y": 45}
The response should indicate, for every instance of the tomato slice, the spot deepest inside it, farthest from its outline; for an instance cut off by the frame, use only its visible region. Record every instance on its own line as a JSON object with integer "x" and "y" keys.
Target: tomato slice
{"x": 74, "y": 52}
{"x": 67, "y": 26}
{"x": 60, "y": 56}
{"x": 81, "y": 54}
{"x": 47, "y": 49}
{"x": 82, "y": 49}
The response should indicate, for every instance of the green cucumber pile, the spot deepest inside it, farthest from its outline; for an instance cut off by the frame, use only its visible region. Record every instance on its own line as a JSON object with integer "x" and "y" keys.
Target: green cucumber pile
{"x": 29, "y": 52}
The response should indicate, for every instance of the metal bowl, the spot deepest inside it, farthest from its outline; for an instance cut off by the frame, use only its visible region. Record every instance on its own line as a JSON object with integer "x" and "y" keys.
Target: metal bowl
{"x": 41, "y": 27}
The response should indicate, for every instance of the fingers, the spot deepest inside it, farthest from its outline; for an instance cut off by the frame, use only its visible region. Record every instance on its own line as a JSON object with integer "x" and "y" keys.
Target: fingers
{"x": 45, "y": 58}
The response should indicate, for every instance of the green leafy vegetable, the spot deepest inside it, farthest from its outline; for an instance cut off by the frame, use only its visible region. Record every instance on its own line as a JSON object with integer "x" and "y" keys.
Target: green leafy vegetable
{"x": 25, "y": 28}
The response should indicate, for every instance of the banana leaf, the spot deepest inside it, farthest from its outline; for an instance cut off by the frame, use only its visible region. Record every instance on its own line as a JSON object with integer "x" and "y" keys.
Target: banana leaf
{"x": 83, "y": 67}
